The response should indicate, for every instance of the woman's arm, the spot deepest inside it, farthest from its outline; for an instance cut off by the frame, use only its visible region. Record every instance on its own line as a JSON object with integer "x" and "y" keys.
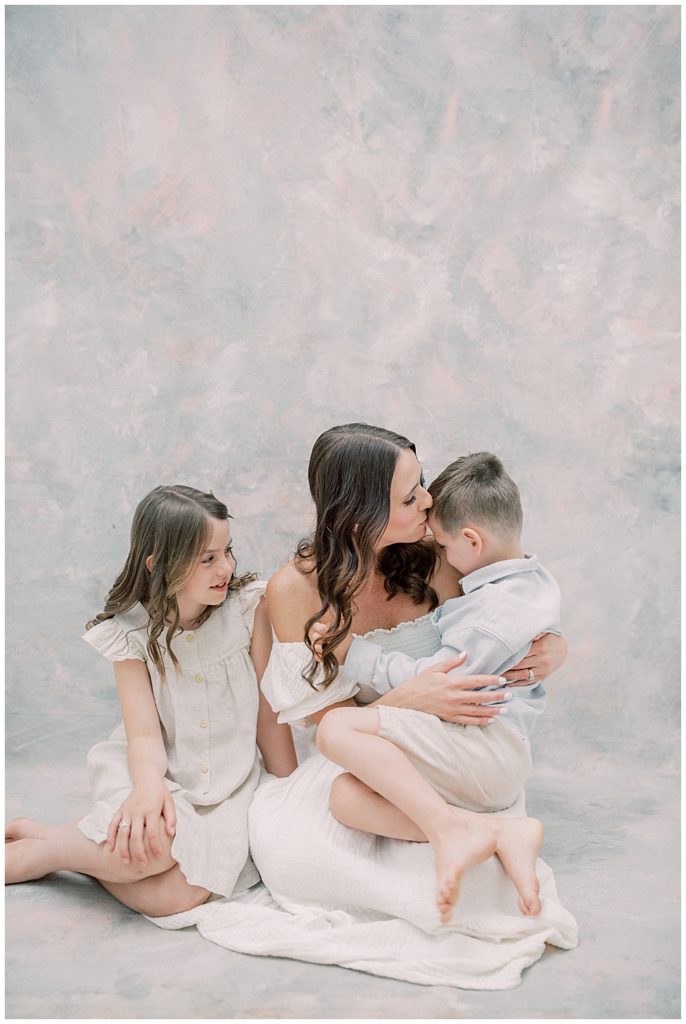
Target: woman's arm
{"x": 275, "y": 741}
{"x": 149, "y": 803}
{"x": 434, "y": 691}
{"x": 456, "y": 699}
{"x": 293, "y": 600}
{"x": 548, "y": 651}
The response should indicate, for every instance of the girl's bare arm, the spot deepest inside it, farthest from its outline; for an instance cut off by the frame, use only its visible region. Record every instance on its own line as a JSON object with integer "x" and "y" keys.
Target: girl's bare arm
{"x": 134, "y": 831}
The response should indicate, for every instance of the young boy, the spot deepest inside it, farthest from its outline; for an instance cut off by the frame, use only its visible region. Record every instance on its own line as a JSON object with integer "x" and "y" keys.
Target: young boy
{"x": 418, "y": 762}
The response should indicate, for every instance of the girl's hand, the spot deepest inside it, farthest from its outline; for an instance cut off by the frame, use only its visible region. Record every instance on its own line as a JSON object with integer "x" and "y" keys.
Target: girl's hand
{"x": 547, "y": 653}
{"x": 318, "y": 631}
{"x": 452, "y": 698}
{"x": 134, "y": 831}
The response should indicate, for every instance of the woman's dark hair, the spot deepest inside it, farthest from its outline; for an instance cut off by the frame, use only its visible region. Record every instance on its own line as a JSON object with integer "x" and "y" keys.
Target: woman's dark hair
{"x": 350, "y": 474}
{"x": 173, "y": 525}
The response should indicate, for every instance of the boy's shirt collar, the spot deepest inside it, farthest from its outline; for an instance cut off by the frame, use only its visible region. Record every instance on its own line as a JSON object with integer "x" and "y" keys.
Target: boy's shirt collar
{"x": 498, "y": 571}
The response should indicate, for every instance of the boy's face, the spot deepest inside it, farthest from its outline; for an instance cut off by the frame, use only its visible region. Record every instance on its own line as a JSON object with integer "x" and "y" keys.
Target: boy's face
{"x": 458, "y": 550}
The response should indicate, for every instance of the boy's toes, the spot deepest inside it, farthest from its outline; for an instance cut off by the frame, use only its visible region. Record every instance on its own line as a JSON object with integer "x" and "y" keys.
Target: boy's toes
{"x": 446, "y": 902}
{"x": 446, "y": 912}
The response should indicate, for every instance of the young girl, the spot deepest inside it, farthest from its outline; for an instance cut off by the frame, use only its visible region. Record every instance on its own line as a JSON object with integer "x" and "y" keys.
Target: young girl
{"x": 172, "y": 785}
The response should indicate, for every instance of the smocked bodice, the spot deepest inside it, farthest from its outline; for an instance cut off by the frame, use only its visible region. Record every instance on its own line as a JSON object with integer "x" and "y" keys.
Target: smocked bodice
{"x": 295, "y": 700}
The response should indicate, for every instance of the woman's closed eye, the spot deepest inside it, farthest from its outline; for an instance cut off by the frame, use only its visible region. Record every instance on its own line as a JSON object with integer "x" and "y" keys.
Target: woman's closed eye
{"x": 410, "y": 501}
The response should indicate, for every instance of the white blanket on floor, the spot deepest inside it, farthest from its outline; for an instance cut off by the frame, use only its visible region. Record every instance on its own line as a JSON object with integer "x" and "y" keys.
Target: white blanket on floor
{"x": 338, "y": 896}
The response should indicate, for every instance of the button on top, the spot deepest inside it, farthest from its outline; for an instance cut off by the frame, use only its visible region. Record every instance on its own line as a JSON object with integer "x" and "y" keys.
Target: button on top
{"x": 203, "y": 724}
{"x": 198, "y": 679}
{"x": 189, "y": 638}
{"x": 204, "y": 769}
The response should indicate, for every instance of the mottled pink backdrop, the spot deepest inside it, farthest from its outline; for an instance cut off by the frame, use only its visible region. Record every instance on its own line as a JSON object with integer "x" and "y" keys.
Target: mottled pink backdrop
{"x": 232, "y": 227}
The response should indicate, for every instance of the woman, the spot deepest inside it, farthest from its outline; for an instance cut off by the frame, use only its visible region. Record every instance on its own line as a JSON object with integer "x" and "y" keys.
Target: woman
{"x": 339, "y": 895}
{"x": 346, "y": 896}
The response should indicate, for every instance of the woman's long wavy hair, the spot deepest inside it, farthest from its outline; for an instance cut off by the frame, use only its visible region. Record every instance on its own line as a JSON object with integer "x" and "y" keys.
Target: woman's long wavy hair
{"x": 350, "y": 474}
{"x": 172, "y": 524}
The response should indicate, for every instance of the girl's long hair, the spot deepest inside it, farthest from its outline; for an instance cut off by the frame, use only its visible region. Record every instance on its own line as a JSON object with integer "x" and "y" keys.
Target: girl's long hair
{"x": 172, "y": 524}
{"x": 350, "y": 474}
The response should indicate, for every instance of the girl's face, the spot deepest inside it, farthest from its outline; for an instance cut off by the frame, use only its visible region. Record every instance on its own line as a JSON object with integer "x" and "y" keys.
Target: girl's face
{"x": 410, "y": 502}
{"x": 209, "y": 580}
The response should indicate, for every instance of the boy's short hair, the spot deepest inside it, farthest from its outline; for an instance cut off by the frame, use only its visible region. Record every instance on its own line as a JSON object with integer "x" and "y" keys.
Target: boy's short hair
{"x": 476, "y": 489}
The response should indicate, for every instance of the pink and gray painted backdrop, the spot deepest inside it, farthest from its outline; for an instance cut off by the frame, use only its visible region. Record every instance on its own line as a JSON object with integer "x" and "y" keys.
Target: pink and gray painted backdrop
{"x": 231, "y": 227}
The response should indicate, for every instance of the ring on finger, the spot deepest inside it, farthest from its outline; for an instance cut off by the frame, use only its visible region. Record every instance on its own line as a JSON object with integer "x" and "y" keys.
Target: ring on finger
{"x": 531, "y": 677}
{"x": 124, "y": 824}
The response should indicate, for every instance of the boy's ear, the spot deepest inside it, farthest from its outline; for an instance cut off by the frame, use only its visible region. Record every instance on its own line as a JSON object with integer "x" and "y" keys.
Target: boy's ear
{"x": 148, "y": 563}
{"x": 473, "y": 538}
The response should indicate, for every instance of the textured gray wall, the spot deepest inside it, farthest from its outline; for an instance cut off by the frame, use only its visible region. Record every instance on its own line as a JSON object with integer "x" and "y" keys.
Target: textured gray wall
{"x": 231, "y": 227}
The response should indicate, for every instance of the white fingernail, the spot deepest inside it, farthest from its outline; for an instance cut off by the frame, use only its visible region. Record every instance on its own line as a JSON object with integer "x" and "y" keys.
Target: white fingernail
{"x": 502, "y": 680}
{"x": 507, "y": 696}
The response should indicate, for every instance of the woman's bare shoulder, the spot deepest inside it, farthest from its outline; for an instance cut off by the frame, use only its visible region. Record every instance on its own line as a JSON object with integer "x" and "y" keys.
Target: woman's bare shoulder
{"x": 290, "y": 581}
{"x": 292, "y": 598}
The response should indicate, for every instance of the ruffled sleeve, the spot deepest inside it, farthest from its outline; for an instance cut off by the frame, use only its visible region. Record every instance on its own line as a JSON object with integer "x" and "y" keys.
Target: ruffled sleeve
{"x": 114, "y": 642}
{"x": 290, "y": 695}
{"x": 249, "y": 597}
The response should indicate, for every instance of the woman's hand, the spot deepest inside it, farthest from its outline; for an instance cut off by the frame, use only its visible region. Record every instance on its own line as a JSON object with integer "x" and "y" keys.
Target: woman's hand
{"x": 452, "y": 698}
{"x": 134, "y": 831}
{"x": 547, "y": 653}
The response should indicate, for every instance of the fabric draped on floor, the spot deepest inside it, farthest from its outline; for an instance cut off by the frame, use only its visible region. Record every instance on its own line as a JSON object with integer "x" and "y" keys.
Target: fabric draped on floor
{"x": 337, "y": 896}
{"x": 334, "y": 895}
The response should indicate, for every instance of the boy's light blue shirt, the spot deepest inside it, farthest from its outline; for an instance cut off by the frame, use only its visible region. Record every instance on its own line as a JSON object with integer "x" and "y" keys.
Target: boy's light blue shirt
{"x": 505, "y": 605}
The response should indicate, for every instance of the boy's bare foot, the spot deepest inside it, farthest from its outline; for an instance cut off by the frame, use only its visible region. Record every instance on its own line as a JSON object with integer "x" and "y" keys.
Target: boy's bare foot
{"x": 25, "y": 828}
{"x": 457, "y": 848}
{"x": 518, "y": 844}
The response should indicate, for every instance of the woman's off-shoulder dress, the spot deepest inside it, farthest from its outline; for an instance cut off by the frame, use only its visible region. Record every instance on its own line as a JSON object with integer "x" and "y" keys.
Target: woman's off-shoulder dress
{"x": 334, "y": 895}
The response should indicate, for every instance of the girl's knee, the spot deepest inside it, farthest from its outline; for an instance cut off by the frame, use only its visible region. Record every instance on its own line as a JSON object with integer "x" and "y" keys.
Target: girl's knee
{"x": 164, "y": 894}
{"x": 175, "y": 894}
{"x": 135, "y": 871}
{"x": 177, "y": 901}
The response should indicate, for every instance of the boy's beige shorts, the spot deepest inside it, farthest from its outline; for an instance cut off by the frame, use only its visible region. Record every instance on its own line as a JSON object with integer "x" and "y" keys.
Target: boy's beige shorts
{"x": 481, "y": 768}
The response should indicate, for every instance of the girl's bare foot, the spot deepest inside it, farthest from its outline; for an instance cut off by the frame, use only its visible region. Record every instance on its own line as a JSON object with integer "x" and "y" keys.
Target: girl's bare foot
{"x": 25, "y": 828}
{"x": 458, "y": 847}
{"x": 518, "y": 844}
{"x": 25, "y": 860}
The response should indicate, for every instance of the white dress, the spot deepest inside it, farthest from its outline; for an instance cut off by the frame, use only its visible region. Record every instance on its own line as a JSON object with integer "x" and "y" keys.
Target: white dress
{"x": 338, "y": 896}
{"x": 208, "y": 715}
